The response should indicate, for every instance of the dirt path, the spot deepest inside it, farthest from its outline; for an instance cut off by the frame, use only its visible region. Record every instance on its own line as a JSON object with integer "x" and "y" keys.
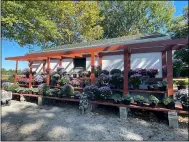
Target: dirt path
{"x": 27, "y": 121}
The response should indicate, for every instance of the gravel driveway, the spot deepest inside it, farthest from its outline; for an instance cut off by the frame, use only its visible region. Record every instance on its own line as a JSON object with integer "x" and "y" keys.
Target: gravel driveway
{"x": 27, "y": 121}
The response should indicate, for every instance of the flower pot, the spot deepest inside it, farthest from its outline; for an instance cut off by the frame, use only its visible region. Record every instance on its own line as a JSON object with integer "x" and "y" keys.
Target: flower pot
{"x": 171, "y": 106}
{"x": 139, "y": 103}
{"x": 153, "y": 105}
{"x": 181, "y": 87}
{"x": 185, "y": 107}
{"x": 127, "y": 102}
{"x": 164, "y": 88}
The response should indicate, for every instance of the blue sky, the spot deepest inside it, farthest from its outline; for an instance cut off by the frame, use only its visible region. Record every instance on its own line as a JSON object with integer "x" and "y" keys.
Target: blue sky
{"x": 10, "y": 48}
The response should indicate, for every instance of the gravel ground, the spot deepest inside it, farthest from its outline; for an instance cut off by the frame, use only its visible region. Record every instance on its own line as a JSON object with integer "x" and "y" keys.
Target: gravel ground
{"x": 27, "y": 121}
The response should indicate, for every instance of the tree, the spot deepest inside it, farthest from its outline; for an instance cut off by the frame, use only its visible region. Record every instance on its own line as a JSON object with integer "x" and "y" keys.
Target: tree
{"x": 179, "y": 29}
{"x": 124, "y": 18}
{"x": 46, "y": 23}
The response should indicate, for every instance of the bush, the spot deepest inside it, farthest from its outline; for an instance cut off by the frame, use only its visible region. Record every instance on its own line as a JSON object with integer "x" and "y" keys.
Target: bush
{"x": 139, "y": 98}
{"x": 67, "y": 90}
{"x": 55, "y": 92}
{"x": 43, "y": 89}
{"x": 105, "y": 72}
{"x": 63, "y": 81}
{"x": 104, "y": 78}
{"x": 153, "y": 99}
{"x": 91, "y": 91}
{"x": 135, "y": 81}
{"x": 11, "y": 78}
{"x": 116, "y": 80}
{"x": 105, "y": 92}
{"x": 115, "y": 71}
{"x": 168, "y": 101}
{"x": 127, "y": 97}
{"x": 12, "y": 87}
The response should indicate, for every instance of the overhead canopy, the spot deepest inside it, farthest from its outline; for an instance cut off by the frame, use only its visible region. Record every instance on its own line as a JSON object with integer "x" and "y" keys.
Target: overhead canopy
{"x": 139, "y": 46}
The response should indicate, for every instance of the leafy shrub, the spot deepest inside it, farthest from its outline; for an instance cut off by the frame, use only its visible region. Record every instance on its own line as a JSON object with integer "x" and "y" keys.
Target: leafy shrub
{"x": 87, "y": 82}
{"x": 116, "y": 80}
{"x": 43, "y": 89}
{"x": 55, "y": 92}
{"x": 91, "y": 91}
{"x": 76, "y": 82}
{"x": 77, "y": 94}
{"x": 168, "y": 101}
{"x": 12, "y": 87}
{"x": 135, "y": 81}
{"x": 11, "y": 78}
{"x": 104, "y": 78}
{"x": 115, "y": 71}
{"x": 153, "y": 99}
{"x": 127, "y": 97}
{"x": 117, "y": 97}
{"x": 181, "y": 83}
{"x": 139, "y": 98}
{"x": 67, "y": 90}
{"x": 63, "y": 81}
{"x": 105, "y": 72}
{"x": 105, "y": 92}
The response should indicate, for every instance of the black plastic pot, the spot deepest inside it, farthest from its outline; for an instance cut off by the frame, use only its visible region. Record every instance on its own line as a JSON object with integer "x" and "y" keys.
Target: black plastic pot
{"x": 139, "y": 103}
{"x": 153, "y": 105}
{"x": 164, "y": 88}
{"x": 181, "y": 87}
{"x": 171, "y": 106}
{"x": 185, "y": 107}
{"x": 127, "y": 102}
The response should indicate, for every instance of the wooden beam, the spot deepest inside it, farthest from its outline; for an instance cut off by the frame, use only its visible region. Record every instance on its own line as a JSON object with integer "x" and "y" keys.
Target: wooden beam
{"x": 15, "y": 73}
{"x": 100, "y": 61}
{"x": 44, "y": 63}
{"x": 170, "y": 72}
{"x": 112, "y": 47}
{"x": 60, "y": 62}
{"x": 163, "y": 62}
{"x": 30, "y": 75}
{"x": 48, "y": 71}
{"x": 126, "y": 70}
{"x": 92, "y": 68}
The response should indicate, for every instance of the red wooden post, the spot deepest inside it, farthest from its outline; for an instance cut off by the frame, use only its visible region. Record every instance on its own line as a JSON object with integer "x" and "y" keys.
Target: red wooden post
{"x": 100, "y": 61}
{"x": 126, "y": 70}
{"x": 30, "y": 76}
{"x": 44, "y": 63}
{"x": 60, "y": 62}
{"x": 163, "y": 61}
{"x": 48, "y": 71}
{"x": 169, "y": 72}
{"x": 15, "y": 73}
{"x": 92, "y": 67}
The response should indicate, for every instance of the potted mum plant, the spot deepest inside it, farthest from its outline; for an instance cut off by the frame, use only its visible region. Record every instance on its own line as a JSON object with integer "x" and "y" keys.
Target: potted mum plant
{"x": 135, "y": 81}
{"x": 26, "y": 72}
{"x": 127, "y": 99}
{"x": 162, "y": 85}
{"x": 75, "y": 82}
{"x": 152, "y": 73}
{"x": 63, "y": 81}
{"x": 105, "y": 92}
{"x": 116, "y": 80}
{"x": 182, "y": 96}
{"x": 169, "y": 103}
{"x": 181, "y": 84}
{"x": 153, "y": 101}
{"x": 117, "y": 98}
{"x": 139, "y": 100}
{"x": 92, "y": 92}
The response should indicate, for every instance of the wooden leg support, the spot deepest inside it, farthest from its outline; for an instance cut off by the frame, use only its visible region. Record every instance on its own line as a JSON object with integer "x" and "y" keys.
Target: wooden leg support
{"x": 123, "y": 113}
{"x": 40, "y": 101}
{"x": 173, "y": 119}
{"x": 22, "y": 98}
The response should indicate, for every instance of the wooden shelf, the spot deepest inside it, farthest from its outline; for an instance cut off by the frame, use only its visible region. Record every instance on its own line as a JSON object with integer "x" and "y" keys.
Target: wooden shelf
{"x": 149, "y": 91}
{"x": 178, "y": 107}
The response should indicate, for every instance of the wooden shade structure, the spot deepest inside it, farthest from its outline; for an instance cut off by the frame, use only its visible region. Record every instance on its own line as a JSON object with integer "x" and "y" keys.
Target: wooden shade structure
{"x": 165, "y": 46}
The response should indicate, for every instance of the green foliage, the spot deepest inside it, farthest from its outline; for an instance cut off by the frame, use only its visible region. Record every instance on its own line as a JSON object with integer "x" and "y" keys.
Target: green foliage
{"x": 63, "y": 81}
{"x": 11, "y": 78}
{"x": 43, "y": 88}
{"x": 113, "y": 71}
{"x": 153, "y": 99}
{"x": 12, "y": 87}
{"x": 55, "y": 92}
{"x": 27, "y": 90}
{"x": 67, "y": 90}
{"x": 139, "y": 98}
{"x": 168, "y": 100}
{"x": 135, "y": 82}
{"x": 117, "y": 97}
{"x": 181, "y": 83}
{"x": 47, "y": 23}
{"x": 127, "y": 97}
{"x": 124, "y": 18}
